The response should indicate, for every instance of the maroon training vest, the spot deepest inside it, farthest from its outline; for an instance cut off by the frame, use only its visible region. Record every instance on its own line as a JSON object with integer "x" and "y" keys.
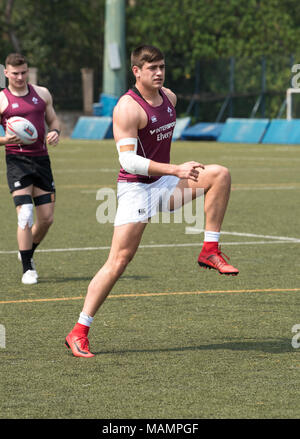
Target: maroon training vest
{"x": 154, "y": 141}
{"x": 31, "y": 107}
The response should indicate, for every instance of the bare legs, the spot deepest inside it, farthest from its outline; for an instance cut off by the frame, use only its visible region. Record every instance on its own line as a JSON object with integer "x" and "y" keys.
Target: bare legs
{"x": 44, "y": 219}
{"x": 125, "y": 243}
{"x": 216, "y": 182}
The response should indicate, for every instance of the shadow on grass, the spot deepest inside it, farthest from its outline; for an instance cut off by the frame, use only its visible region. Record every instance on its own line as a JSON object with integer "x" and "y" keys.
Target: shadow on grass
{"x": 51, "y": 280}
{"x": 270, "y": 346}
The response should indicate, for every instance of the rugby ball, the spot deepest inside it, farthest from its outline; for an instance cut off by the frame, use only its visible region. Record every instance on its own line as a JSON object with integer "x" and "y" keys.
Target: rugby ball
{"x": 22, "y": 128}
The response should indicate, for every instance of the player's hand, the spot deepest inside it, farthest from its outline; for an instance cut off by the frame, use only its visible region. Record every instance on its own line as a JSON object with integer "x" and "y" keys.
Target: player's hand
{"x": 52, "y": 138}
{"x": 189, "y": 170}
{"x": 12, "y": 139}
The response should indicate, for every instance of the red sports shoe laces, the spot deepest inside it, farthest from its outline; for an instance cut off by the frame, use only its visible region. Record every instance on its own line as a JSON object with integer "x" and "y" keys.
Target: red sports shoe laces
{"x": 215, "y": 259}
{"x": 79, "y": 345}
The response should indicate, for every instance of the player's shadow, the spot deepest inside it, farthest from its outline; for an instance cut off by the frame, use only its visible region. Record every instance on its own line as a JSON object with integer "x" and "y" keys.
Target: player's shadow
{"x": 269, "y": 346}
{"x": 51, "y": 280}
{"x": 85, "y": 279}
{"x": 132, "y": 277}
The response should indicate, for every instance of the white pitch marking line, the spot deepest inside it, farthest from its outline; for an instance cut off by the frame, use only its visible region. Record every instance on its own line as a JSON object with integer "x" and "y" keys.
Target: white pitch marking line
{"x": 250, "y": 235}
{"x": 266, "y": 188}
{"x": 70, "y": 171}
{"x": 94, "y": 191}
{"x": 194, "y": 244}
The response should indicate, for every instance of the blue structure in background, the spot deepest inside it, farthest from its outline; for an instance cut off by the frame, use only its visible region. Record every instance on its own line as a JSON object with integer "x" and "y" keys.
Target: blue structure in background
{"x": 99, "y": 126}
{"x": 203, "y": 131}
{"x": 239, "y": 130}
{"x": 93, "y": 128}
{"x": 105, "y": 106}
{"x": 244, "y": 130}
{"x": 265, "y": 131}
{"x": 283, "y": 131}
{"x": 181, "y": 125}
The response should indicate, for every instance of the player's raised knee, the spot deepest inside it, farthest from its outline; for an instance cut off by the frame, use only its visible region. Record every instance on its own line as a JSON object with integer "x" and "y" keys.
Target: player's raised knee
{"x": 224, "y": 172}
{"x": 220, "y": 172}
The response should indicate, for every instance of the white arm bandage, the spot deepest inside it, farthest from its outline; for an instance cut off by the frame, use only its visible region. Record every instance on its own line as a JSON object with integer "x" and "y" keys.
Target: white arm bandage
{"x": 130, "y": 161}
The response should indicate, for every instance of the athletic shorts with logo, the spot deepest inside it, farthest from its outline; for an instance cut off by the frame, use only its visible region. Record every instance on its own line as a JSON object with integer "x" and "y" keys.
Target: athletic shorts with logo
{"x": 137, "y": 202}
{"x": 22, "y": 171}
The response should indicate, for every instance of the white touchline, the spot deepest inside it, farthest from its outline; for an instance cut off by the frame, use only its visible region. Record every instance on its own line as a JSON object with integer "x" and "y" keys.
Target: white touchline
{"x": 70, "y": 171}
{"x": 192, "y": 244}
{"x": 253, "y": 235}
{"x": 265, "y": 188}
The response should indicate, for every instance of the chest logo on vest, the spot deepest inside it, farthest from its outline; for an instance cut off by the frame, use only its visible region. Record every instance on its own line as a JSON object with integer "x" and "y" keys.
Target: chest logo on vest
{"x": 153, "y": 119}
{"x": 35, "y": 100}
{"x": 15, "y": 105}
{"x": 170, "y": 111}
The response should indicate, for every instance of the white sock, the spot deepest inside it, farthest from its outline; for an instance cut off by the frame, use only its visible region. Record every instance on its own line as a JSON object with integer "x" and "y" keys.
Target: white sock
{"x": 211, "y": 236}
{"x": 84, "y": 319}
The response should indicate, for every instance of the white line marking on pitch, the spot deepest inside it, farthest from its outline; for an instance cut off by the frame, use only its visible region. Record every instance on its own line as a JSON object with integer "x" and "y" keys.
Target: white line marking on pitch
{"x": 250, "y": 235}
{"x": 266, "y": 188}
{"x": 194, "y": 244}
{"x": 71, "y": 171}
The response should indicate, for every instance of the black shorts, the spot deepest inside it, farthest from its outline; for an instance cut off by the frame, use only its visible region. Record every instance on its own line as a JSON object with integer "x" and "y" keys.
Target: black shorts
{"x": 22, "y": 171}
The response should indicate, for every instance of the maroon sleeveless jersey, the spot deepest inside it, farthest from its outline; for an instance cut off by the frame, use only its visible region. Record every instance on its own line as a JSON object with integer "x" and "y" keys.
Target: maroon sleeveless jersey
{"x": 154, "y": 141}
{"x": 31, "y": 107}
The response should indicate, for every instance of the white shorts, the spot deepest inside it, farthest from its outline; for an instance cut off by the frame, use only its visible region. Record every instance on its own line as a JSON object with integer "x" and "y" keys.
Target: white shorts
{"x": 137, "y": 202}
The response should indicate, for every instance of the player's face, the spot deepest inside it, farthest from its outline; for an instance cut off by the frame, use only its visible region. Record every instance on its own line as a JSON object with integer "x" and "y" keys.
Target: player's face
{"x": 152, "y": 74}
{"x": 17, "y": 75}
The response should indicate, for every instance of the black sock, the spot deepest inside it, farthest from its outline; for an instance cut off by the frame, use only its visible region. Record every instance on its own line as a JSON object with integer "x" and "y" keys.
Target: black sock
{"x": 34, "y": 246}
{"x": 26, "y": 256}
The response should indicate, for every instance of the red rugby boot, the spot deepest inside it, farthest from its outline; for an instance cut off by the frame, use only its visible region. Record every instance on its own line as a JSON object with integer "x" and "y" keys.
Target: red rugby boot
{"x": 212, "y": 257}
{"x": 78, "y": 343}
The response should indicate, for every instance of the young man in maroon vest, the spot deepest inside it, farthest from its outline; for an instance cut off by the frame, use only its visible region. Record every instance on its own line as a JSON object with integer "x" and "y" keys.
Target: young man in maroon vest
{"x": 143, "y": 122}
{"x": 29, "y": 172}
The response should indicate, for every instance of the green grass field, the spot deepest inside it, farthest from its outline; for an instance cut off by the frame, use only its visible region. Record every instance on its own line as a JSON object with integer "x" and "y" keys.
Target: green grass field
{"x": 172, "y": 340}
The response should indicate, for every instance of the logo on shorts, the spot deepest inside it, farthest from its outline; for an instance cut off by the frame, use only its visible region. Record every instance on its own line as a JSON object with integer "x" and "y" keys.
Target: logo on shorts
{"x": 142, "y": 211}
{"x": 17, "y": 184}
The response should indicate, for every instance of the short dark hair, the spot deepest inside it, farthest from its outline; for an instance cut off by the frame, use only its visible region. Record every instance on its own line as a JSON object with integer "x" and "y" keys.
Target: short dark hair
{"x": 15, "y": 59}
{"x": 145, "y": 53}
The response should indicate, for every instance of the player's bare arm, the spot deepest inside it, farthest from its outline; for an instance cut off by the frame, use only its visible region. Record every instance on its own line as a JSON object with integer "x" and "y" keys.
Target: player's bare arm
{"x": 50, "y": 115}
{"x": 170, "y": 95}
{"x": 8, "y": 138}
{"x": 128, "y": 118}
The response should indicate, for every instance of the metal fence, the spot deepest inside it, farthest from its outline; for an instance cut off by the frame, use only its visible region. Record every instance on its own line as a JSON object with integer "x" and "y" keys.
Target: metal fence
{"x": 66, "y": 87}
{"x": 215, "y": 90}
{"x": 248, "y": 87}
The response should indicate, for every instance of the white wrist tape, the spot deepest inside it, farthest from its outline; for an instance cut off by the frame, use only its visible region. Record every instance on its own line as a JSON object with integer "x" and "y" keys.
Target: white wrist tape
{"x": 130, "y": 161}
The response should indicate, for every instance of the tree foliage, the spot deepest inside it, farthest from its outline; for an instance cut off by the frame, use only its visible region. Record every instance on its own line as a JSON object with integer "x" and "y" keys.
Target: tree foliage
{"x": 189, "y": 30}
{"x": 66, "y": 35}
